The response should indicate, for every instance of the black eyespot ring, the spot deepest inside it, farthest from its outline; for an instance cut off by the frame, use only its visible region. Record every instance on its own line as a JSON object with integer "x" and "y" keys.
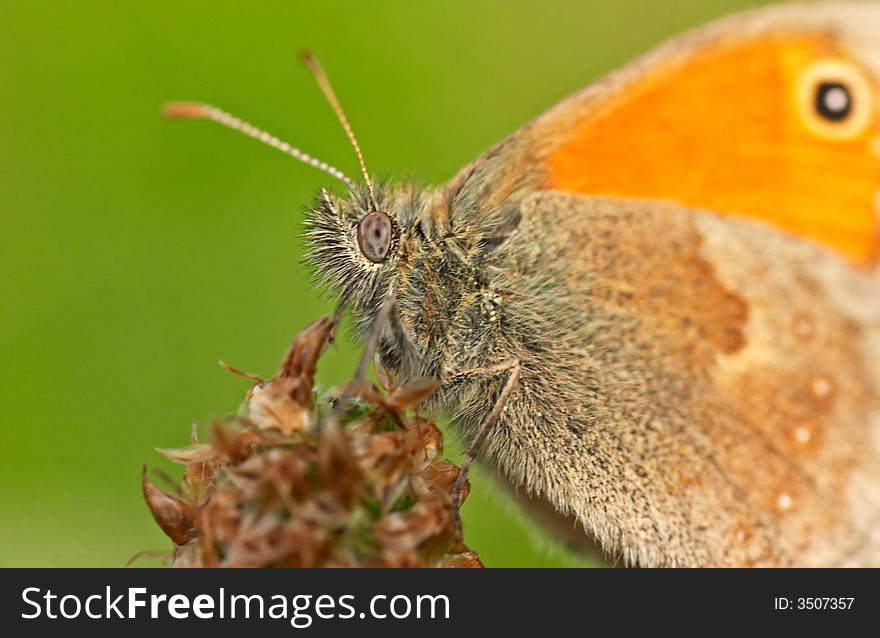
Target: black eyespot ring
{"x": 374, "y": 236}
{"x": 834, "y": 101}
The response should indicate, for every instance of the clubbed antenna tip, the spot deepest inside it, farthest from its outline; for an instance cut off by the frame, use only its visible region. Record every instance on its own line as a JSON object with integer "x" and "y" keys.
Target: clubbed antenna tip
{"x": 183, "y": 111}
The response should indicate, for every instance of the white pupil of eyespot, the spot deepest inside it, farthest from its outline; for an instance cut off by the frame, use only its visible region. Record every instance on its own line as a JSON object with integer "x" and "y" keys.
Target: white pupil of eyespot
{"x": 836, "y": 100}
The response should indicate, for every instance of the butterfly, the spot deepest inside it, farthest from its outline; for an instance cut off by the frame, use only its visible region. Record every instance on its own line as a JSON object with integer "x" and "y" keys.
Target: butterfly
{"x": 654, "y": 310}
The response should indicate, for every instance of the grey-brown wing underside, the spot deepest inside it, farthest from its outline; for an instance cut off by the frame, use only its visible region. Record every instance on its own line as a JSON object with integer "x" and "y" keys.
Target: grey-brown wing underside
{"x": 696, "y": 390}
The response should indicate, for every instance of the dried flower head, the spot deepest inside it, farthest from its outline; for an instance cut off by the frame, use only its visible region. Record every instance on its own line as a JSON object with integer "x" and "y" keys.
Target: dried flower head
{"x": 296, "y": 484}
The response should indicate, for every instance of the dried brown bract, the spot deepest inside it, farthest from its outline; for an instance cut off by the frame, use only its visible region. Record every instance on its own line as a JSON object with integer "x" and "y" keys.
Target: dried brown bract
{"x": 295, "y": 484}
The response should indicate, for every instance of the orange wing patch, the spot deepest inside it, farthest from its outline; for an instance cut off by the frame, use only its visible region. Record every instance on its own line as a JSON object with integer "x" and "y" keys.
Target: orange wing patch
{"x": 724, "y": 130}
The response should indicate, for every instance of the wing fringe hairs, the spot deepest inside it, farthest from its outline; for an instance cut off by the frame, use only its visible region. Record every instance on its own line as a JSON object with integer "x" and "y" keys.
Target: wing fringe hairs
{"x": 288, "y": 484}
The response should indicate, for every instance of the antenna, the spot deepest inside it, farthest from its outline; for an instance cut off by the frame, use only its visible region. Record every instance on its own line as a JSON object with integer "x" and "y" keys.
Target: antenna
{"x": 195, "y": 111}
{"x": 312, "y": 64}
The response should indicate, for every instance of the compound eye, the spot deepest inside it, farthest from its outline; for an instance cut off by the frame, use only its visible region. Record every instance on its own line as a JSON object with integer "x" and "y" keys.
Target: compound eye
{"x": 835, "y": 100}
{"x": 374, "y": 236}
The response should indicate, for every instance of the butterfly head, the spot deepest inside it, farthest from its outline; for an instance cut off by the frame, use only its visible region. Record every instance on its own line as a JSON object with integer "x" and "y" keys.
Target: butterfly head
{"x": 361, "y": 247}
{"x": 354, "y": 241}
{"x": 370, "y": 240}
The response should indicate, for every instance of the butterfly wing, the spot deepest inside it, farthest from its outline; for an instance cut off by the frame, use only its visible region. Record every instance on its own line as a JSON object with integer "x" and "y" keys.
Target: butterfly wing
{"x": 705, "y": 387}
{"x": 733, "y": 118}
{"x": 696, "y": 389}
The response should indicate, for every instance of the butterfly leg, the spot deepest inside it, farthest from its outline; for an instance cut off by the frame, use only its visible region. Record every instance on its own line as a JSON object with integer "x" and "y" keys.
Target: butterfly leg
{"x": 369, "y": 350}
{"x": 512, "y": 368}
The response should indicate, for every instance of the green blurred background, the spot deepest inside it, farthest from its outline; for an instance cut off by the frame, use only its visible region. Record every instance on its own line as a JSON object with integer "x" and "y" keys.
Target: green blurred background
{"x": 136, "y": 252}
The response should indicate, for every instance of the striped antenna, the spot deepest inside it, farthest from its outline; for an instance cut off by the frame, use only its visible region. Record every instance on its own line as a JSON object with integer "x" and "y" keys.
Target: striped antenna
{"x": 317, "y": 71}
{"x": 195, "y": 111}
